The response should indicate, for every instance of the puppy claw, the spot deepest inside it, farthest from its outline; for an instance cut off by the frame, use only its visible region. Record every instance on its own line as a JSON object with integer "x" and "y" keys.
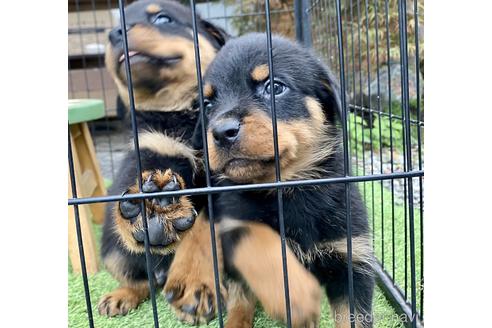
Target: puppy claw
{"x": 189, "y": 308}
{"x": 129, "y": 209}
{"x": 169, "y": 296}
{"x": 171, "y": 186}
{"x": 149, "y": 186}
{"x": 139, "y": 236}
{"x": 183, "y": 224}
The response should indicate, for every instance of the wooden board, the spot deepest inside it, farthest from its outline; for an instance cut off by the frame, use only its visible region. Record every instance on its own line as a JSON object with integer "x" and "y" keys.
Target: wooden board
{"x": 93, "y": 83}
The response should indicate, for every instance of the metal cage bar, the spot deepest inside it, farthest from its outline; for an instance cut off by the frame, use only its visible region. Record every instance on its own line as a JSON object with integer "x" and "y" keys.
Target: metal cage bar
{"x": 207, "y": 164}
{"x": 128, "y": 72}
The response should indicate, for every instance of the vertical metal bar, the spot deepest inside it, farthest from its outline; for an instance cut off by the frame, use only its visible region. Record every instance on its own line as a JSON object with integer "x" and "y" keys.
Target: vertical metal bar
{"x": 79, "y": 234}
{"x": 148, "y": 258}
{"x": 405, "y": 168}
{"x": 366, "y": 6}
{"x": 361, "y": 100}
{"x": 380, "y": 129}
{"x": 348, "y": 78}
{"x": 405, "y": 97}
{"x": 353, "y": 83}
{"x": 419, "y": 140}
{"x": 207, "y": 166}
{"x": 388, "y": 59}
{"x": 332, "y": 34}
{"x": 306, "y": 23}
{"x": 346, "y": 162}
{"x": 277, "y": 162}
{"x": 298, "y": 16}
{"x": 324, "y": 37}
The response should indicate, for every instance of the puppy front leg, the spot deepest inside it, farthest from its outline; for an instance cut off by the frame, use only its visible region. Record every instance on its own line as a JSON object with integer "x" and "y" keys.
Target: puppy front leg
{"x": 252, "y": 252}
{"x": 190, "y": 286}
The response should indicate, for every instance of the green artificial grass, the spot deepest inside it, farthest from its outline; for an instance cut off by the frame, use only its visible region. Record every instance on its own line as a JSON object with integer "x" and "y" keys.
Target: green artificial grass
{"x": 384, "y": 315}
{"x": 102, "y": 283}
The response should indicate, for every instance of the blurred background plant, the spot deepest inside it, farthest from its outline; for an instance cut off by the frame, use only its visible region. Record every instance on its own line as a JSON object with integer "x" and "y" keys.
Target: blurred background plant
{"x": 251, "y": 16}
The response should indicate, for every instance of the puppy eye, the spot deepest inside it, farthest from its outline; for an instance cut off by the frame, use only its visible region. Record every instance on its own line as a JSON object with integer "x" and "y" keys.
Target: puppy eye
{"x": 278, "y": 88}
{"x": 207, "y": 104}
{"x": 160, "y": 19}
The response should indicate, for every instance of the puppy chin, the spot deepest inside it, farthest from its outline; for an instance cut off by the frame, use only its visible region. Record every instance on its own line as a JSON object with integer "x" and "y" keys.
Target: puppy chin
{"x": 248, "y": 171}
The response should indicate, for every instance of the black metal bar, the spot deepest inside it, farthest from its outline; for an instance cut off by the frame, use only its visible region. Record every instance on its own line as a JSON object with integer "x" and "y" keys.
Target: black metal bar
{"x": 395, "y": 296}
{"x": 259, "y": 13}
{"x": 366, "y": 7}
{"x": 278, "y": 178}
{"x": 298, "y": 16}
{"x": 207, "y": 165}
{"x": 148, "y": 258}
{"x": 361, "y": 96}
{"x": 346, "y": 163}
{"x": 79, "y": 234}
{"x": 353, "y": 82}
{"x": 419, "y": 143}
{"x": 405, "y": 98}
{"x": 254, "y": 186}
{"x": 382, "y": 113}
{"x": 306, "y": 24}
{"x": 380, "y": 129}
{"x": 388, "y": 52}
{"x": 87, "y": 30}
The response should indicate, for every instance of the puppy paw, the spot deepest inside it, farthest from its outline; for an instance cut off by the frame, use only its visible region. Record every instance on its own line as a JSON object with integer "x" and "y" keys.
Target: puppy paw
{"x": 190, "y": 286}
{"x": 192, "y": 297}
{"x": 168, "y": 218}
{"x": 120, "y": 301}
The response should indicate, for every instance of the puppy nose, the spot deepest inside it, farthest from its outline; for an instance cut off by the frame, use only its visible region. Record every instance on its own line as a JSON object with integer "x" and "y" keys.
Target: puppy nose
{"x": 115, "y": 36}
{"x": 227, "y": 132}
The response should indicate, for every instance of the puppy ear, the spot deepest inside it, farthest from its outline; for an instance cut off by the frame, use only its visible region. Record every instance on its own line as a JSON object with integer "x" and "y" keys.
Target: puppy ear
{"x": 216, "y": 33}
{"x": 329, "y": 95}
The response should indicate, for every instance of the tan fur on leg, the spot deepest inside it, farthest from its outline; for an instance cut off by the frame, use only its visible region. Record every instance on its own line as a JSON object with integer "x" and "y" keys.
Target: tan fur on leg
{"x": 341, "y": 315}
{"x": 257, "y": 257}
{"x": 240, "y": 307}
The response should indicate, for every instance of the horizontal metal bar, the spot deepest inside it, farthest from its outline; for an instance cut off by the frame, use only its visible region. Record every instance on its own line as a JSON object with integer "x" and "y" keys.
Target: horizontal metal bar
{"x": 280, "y": 11}
{"x": 392, "y": 116}
{"x": 395, "y": 296}
{"x": 256, "y": 186}
{"x": 87, "y": 30}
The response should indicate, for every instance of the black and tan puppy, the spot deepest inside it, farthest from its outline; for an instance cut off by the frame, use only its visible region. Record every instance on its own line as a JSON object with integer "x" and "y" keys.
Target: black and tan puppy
{"x": 162, "y": 62}
{"x": 239, "y": 125}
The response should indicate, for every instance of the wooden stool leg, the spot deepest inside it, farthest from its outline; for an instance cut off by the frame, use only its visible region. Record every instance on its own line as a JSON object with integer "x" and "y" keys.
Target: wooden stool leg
{"x": 92, "y": 182}
{"x": 88, "y": 241}
{"x": 90, "y": 249}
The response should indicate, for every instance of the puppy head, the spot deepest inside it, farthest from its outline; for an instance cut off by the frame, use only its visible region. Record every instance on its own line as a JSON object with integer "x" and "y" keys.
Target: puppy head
{"x": 239, "y": 117}
{"x": 161, "y": 51}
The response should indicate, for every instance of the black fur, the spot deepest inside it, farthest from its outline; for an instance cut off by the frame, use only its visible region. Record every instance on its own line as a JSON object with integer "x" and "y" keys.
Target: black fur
{"x": 312, "y": 215}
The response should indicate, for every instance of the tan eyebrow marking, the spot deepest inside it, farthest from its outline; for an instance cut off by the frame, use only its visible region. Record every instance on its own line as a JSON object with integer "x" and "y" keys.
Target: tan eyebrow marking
{"x": 260, "y": 72}
{"x": 208, "y": 91}
{"x": 153, "y": 9}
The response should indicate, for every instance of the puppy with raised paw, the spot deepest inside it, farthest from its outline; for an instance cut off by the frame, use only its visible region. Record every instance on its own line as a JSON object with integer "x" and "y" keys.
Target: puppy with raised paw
{"x": 162, "y": 63}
